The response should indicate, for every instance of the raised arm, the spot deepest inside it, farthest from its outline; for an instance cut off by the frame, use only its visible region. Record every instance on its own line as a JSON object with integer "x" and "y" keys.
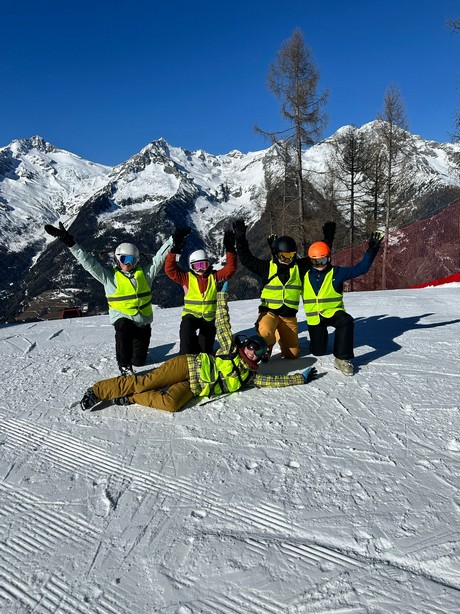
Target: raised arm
{"x": 159, "y": 258}
{"x": 251, "y": 262}
{"x": 87, "y": 260}
{"x": 223, "y": 328}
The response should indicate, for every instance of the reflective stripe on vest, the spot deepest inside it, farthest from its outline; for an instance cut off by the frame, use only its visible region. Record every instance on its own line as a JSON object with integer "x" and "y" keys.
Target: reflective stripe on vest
{"x": 131, "y": 300}
{"x": 274, "y": 294}
{"x": 200, "y": 305}
{"x": 219, "y": 375}
{"x": 326, "y": 303}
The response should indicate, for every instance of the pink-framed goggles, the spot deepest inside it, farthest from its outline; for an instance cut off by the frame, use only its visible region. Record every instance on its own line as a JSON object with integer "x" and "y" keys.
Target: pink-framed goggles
{"x": 200, "y": 265}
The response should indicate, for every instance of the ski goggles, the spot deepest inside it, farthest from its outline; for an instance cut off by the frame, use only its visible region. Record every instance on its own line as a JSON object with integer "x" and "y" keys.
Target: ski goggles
{"x": 256, "y": 347}
{"x": 286, "y": 256}
{"x": 200, "y": 265}
{"x": 319, "y": 261}
{"x": 127, "y": 259}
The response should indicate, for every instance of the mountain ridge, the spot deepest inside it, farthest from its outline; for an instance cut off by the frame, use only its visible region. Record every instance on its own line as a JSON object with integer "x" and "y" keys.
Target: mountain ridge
{"x": 144, "y": 197}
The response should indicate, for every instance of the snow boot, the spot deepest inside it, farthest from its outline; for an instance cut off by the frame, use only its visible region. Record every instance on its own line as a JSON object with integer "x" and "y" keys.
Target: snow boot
{"x": 89, "y": 400}
{"x": 346, "y": 366}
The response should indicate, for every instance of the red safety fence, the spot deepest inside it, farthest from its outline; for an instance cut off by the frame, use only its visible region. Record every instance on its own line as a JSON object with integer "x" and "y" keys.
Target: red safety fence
{"x": 418, "y": 254}
{"x": 439, "y": 282}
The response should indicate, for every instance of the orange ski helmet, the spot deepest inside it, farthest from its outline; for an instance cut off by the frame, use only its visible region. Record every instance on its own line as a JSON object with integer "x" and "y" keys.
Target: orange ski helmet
{"x": 319, "y": 250}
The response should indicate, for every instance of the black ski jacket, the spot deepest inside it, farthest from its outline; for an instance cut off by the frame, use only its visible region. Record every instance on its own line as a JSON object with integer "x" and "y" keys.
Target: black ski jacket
{"x": 261, "y": 268}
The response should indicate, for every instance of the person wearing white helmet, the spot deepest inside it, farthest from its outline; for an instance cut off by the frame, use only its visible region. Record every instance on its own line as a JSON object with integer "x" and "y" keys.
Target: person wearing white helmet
{"x": 128, "y": 289}
{"x": 197, "y": 329}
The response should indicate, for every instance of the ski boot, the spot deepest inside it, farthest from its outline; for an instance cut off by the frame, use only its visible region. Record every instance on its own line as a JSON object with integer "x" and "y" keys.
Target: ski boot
{"x": 89, "y": 400}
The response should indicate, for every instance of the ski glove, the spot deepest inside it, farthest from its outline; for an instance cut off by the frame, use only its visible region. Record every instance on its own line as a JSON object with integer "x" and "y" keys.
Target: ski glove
{"x": 61, "y": 234}
{"x": 375, "y": 240}
{"x": 309, "y": 375}
{"x": 229, "y": 241}
{"x": 240, "y": 229}
{"x": 179, "y": 237}
{"x": 329, "y": 233}
{"x": 271, "y": 239}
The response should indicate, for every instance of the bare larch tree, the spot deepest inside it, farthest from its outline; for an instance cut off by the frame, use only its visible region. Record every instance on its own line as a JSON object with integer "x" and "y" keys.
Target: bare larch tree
{"x": 294, "y": 78}
{"x": 392, "y": 129}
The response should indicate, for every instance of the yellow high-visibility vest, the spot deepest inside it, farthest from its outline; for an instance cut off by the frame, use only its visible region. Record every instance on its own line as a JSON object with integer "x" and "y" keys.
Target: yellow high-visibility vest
{"x": 200, "y": 305}
{"x": 131, "y": 299}
{"x": 275, "y": 294}
{"x": 219, "y": 375}
{"x": 325, "y": 304}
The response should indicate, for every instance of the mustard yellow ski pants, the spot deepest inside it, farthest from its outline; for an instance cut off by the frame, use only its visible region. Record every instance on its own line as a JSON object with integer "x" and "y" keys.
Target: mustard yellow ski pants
{"x": 285, "y": 331}
{"x": 167, "y": 387}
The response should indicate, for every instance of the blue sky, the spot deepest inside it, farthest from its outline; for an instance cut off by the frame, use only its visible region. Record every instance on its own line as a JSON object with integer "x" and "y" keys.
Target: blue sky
{"x": 103, "y": 78}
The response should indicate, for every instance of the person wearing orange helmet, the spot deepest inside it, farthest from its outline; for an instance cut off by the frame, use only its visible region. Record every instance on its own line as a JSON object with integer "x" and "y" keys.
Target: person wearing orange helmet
{"x": 282, "y": 277}
{"x": 323, "y": 301}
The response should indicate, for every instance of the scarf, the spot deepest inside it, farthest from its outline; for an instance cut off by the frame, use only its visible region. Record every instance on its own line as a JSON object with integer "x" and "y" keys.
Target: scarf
{"x": 251, "y": 363}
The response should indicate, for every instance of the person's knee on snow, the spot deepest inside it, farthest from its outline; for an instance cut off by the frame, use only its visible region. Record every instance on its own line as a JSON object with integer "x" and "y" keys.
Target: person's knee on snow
{"x": 266, "y": 326}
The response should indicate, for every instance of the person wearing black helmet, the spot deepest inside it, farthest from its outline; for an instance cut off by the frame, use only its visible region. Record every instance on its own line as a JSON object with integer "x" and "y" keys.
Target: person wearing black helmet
{"x": 282, "y": 277}
{"x": 128, "y": 289}
{"x": 179, "y": 379}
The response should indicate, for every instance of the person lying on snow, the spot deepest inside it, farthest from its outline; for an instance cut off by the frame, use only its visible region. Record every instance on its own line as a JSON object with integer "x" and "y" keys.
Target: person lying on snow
{"x": 183, "y": 377}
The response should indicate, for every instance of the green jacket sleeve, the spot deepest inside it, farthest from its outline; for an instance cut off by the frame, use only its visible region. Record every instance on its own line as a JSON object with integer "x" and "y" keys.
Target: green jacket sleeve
{"x": 157, "y": 261}
{"x": 91, "y": 264}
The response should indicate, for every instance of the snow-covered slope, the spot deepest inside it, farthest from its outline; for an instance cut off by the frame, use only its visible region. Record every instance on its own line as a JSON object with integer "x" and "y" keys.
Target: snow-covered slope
{"x": 338, "y": 496}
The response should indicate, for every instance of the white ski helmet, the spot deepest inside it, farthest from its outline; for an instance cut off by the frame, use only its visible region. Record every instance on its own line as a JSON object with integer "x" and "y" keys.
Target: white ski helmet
{"x": 197, "y": 256}
{"x": 130, "y": 251}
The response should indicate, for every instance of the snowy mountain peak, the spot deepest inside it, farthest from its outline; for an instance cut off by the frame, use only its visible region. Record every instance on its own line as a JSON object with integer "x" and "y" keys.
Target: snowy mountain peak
{"x": 24, "y": 146}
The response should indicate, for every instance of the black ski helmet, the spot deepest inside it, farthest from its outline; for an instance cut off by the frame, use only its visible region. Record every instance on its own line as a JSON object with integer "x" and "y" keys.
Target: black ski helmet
{"x": 284, "y": 244}
{"x": 255, "y": 342}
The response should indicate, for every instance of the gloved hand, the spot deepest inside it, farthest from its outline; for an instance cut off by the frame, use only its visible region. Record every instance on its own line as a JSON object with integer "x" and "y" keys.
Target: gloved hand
{"x": 309, "y": 374}
{"x": 271, "y": 239}
{"x": 61, "y": 234}
{"x": 240, "y": 229}
{"x": 229, "y": 241}
{"x": 329, "y": 232}
{"x": 376, "y": 240}
{"x": 179, "y": 237}
{"x": 222, "y": 285}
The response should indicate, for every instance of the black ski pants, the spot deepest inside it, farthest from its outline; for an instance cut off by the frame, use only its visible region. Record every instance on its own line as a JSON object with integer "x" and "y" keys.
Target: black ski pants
{"x": 344, "y": 326}
{"x": 131, "y": 343}
{"x": 196, "y": 335}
